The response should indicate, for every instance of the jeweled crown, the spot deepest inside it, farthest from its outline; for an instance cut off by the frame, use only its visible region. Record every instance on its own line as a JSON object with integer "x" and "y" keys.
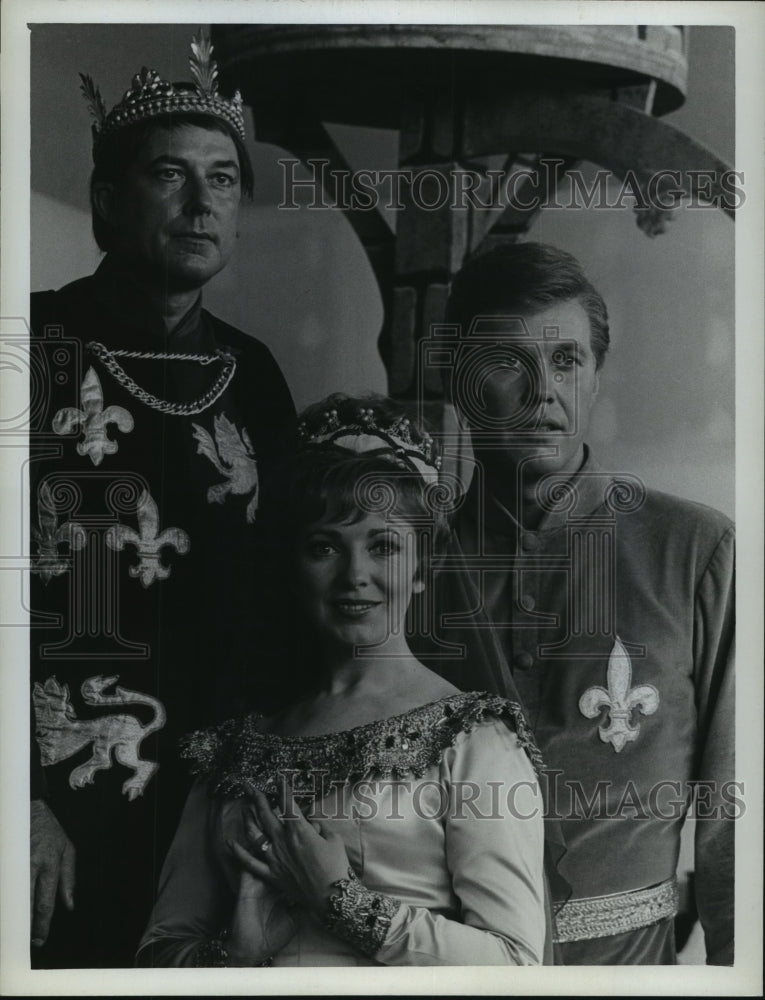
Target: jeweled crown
{"x": 151, "y": 96}
{"x": 366, "y": 429}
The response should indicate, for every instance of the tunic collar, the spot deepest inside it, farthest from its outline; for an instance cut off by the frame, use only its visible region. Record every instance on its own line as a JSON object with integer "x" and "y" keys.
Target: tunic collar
{"x": 114, "y": 289}
{"x": 578, "y": 496}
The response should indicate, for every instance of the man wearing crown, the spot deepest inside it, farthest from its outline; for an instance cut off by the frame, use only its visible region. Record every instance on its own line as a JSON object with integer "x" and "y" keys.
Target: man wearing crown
{"x": 146, "y": 512}
{"x": 614, "y": 608}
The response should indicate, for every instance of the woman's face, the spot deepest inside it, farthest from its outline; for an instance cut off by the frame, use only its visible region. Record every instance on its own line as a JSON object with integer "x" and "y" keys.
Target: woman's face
{"x": 355, "y": 579}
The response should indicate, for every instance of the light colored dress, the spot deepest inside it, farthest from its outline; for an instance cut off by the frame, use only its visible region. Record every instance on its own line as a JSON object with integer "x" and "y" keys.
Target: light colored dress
{"x": 441, "y": 815}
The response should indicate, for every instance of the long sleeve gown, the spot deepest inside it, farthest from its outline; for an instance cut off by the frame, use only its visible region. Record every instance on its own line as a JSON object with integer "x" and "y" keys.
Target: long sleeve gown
{"x": 441, "y": 816}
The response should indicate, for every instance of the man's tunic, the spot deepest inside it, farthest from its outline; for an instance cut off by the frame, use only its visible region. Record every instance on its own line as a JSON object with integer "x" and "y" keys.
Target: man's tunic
{"x": 616, "y": 618}
{"x": 146, "y": 607}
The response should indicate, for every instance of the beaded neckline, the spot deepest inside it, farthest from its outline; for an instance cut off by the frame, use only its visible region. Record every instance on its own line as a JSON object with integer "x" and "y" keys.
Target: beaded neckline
{"x": 236, "y": 755}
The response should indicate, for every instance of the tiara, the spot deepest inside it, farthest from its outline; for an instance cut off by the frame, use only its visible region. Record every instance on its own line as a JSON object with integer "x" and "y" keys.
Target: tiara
{"x": 369, "y": 434}
{"x": 150, "y": 96}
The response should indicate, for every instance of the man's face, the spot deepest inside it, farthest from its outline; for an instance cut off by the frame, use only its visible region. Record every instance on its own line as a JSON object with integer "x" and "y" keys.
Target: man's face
{"x": 175, "y": 210}
{"x": 536, "y": 394}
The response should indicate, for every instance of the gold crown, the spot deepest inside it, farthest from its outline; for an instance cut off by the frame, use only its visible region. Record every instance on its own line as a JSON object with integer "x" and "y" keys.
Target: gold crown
{"x": 151, "y": 96}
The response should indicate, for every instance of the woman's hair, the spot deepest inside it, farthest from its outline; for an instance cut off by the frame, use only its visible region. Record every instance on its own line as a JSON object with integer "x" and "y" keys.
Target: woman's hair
{"x": 325, "y": 481}
{"x": 116, "y": 151}
{"x": 329, "y": 483}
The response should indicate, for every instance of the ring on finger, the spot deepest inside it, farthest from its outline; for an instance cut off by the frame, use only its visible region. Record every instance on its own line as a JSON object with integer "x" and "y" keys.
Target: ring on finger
{"x": 263, "y": 844}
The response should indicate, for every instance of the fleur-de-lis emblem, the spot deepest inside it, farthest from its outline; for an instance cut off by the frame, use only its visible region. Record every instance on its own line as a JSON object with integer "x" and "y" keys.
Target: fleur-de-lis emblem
{"x": 148, "y": 541}
{"x": 49, "y": 562}
{"x": 93, "y": 419}
{"x": 619, "y": 699}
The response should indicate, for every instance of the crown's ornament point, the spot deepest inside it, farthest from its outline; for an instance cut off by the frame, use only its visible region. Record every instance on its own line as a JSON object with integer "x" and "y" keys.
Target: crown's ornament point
{"x": 151, "y": 96}
{"x": 95, "y": 102}
{"x": 203, "y": 67}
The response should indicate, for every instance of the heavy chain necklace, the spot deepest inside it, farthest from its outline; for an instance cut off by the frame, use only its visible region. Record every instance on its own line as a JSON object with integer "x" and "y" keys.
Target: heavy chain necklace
{"x": 109, "y": 360}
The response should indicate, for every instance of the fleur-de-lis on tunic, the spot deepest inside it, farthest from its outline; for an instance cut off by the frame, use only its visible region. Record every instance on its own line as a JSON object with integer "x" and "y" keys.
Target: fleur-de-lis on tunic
{"x": 619, "y": 699}
{"x": 49, "y": 562}
{"x": 93, "y": 419}
{"x": 148, "y": 541}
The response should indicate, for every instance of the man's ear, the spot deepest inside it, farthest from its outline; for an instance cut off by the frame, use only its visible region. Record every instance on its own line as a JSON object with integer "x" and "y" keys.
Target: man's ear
{"x": 103, "y": 200}
{"x": 596, "y": 384}
{"x": 418, "y": 585}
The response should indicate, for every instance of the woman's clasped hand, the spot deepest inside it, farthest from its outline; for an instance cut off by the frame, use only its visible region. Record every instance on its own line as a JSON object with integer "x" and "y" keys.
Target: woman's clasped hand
{"x": 287, "y": 860}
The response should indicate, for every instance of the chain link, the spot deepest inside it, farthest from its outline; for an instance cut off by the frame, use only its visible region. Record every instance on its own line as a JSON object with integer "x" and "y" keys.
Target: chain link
{"x": 109, "y": 360}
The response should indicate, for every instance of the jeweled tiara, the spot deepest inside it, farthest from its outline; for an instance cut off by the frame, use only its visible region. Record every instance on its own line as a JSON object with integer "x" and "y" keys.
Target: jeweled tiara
{"x": 370, "y": 431}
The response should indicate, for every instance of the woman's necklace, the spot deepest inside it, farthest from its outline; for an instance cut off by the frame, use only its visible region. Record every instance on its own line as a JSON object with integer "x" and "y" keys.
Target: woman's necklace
{"x": 109, "y": 360}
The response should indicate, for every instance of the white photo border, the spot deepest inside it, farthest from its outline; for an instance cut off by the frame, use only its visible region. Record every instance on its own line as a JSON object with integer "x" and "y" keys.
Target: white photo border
{"x": 745, "y": 978}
